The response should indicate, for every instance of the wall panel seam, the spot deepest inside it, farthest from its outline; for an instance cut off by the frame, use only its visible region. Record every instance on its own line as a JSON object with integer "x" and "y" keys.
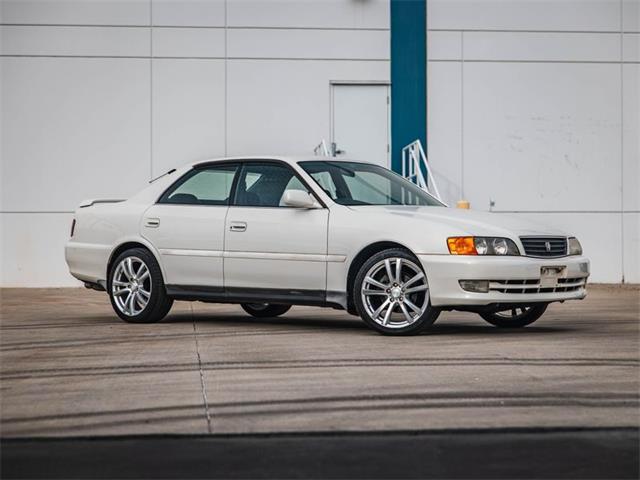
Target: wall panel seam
{"x": 323, "y": 59}
{"x": 462, "y": 197}
{"x": 488, "y": 30}
{"x": 226, "y": 80}
{"x": 202, "y": 27}
{"x": 622, "y": 242}
{"x": 151, "y": 90}
{"x": 605, "y": 62}
{"x": 607, "y": 212}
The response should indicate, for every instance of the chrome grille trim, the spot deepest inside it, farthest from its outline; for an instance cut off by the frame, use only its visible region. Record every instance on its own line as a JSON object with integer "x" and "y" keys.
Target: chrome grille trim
{"x": 533, "y": 285}
{"x": 537, "y": 246}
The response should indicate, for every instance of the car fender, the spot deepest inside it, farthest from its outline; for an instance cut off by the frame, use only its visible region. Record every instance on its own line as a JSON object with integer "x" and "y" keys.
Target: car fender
{"x": 135, "y": 239}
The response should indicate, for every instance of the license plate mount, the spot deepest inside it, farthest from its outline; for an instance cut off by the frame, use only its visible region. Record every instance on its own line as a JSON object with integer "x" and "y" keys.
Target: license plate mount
{"x": 549, "y": 275}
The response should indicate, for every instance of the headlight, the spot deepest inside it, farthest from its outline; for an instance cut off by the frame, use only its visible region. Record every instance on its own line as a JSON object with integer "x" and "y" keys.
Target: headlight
{"x": 500, "y": 246}
{"x": 481, "y": 246}
{"x": 574, "y": 246}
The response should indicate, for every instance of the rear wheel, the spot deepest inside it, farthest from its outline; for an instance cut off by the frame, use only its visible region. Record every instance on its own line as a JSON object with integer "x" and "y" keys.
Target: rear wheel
{"x": 391, "y": 294}
{"x": 136, "y": 287}
{"x": 264, "y": 310}
{"x": 516, "y": 317}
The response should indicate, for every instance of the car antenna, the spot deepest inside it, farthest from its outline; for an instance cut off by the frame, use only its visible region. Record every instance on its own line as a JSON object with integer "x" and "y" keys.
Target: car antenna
{"x": 168, "y": 173}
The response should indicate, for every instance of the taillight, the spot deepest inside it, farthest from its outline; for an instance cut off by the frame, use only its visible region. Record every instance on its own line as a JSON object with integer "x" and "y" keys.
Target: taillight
{"x": 73, "y": 226}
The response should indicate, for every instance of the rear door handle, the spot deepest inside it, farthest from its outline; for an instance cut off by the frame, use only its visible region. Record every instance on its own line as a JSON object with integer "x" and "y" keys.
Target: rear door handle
{"x": 152, "y": 222}
{"x": 238, "y": 226}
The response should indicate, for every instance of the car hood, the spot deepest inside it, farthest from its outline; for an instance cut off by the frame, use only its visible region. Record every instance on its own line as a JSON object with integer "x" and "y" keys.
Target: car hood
{"x": 463, "y": 222}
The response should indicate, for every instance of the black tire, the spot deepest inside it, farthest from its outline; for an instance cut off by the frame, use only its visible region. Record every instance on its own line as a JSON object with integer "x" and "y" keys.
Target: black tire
{"x": 524, "y": 315}
{"x": 158, "y": 304}
{"x": 424, "y": 320}
{"x": 265, "y": 310}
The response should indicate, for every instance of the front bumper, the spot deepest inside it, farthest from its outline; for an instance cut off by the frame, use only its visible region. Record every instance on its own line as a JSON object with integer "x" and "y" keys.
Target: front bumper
{"x": 445, "y": 271}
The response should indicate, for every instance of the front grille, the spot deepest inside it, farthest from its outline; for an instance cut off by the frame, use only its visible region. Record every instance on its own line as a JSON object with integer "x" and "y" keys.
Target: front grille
{"x": 544, "y": 246}
{"x": 533, "y": 285}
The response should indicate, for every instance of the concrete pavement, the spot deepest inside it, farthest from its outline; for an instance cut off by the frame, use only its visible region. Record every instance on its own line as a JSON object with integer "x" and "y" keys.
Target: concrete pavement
{"x": 70, "y": 367}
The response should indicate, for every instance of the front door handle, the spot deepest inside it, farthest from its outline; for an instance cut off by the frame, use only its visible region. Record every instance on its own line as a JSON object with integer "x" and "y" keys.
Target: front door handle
{"x": 238, "y": 226}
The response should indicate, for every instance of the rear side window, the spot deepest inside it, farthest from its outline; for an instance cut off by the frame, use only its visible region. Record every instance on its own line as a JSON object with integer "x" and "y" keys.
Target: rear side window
{"x": 202, "y": 186}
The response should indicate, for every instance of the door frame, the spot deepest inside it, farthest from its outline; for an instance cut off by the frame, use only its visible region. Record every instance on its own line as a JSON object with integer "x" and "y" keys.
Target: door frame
{"x": 358, "y": 83}
{"x": 276, "y": 258}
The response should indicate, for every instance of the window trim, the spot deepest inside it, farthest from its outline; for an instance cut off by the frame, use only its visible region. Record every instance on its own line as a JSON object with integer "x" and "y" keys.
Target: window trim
{"x": 192, "y": 172}
{"x": 232, "y": 194}
{"x": 301, "y": 162}
{"x": 244, "y": 163}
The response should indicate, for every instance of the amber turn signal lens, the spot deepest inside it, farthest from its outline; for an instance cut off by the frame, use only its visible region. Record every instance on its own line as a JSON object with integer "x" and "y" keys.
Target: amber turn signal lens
{"x": 461, "y": 246}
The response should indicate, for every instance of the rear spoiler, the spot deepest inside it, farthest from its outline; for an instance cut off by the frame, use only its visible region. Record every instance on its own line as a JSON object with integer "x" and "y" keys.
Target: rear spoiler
{"x": 88, "y": 203}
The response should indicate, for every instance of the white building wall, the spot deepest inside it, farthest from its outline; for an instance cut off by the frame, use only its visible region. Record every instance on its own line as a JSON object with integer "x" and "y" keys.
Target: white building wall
{"x": 534, "y": 105}
{"x": 99, "y": 96}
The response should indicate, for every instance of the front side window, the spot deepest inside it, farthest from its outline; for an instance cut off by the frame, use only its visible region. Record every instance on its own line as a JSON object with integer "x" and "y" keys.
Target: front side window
{"x": 202, "y": 186}
{"x": 353, "y": 183}
{"x": 264, "y": 184}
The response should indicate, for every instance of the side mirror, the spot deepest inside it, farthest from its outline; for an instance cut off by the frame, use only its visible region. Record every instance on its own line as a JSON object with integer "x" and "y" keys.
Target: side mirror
{"x": 298, "y": 199}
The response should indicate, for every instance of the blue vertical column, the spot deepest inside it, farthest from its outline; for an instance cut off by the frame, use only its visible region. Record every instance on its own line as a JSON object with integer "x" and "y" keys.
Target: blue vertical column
{"x": 408, "y": 76}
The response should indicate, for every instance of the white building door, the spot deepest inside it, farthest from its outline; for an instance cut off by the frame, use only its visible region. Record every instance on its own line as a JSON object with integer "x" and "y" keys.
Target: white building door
{"x": 360, "y": 122}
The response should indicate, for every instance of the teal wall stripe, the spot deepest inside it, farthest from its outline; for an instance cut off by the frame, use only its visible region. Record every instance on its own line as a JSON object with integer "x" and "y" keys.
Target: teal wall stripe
{"x": 408, "y": 76}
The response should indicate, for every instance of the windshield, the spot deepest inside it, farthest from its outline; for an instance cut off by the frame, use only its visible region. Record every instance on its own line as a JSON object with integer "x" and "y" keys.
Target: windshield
{"x": 353, "y": 183}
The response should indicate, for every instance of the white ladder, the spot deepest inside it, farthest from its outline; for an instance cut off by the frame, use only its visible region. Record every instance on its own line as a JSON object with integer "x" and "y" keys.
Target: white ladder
{"x": 413, "y": 161}
{"x": 321, "y": 149}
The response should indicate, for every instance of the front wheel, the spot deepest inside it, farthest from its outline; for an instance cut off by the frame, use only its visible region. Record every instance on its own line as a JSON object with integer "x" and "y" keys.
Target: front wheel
{"x": 264, "y": 310}
{"x": 391, "y": 294}
{"x": 516, "y": 317}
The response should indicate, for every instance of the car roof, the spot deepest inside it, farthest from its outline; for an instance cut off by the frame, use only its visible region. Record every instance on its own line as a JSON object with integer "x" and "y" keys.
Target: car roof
{"x": 283, "y": 158}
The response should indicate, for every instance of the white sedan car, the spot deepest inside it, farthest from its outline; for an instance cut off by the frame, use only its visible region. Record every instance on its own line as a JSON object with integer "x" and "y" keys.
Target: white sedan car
{"x": 268, "y": 233}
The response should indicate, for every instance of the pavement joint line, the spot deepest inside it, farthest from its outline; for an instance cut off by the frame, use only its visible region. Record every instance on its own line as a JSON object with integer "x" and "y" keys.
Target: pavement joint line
{"x": 208, "y": 366}
{"x": 202, "y": 382}
{"x": 416, "y": 399}
{"x": 508, "y": 430}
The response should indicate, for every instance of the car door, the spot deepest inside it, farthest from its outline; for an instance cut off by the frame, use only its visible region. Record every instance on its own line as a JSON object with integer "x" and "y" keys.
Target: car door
{"x": 187, "y": 226}
{"x": 271, "y": 248}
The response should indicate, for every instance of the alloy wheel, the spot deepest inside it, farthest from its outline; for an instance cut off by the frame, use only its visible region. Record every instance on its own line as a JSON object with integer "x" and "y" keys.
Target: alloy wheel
{"x": 513, "y": 313}
{"x": 395, "y": 292}
{"x": 131, "y": 286}
{"x": 258, "y": 306}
